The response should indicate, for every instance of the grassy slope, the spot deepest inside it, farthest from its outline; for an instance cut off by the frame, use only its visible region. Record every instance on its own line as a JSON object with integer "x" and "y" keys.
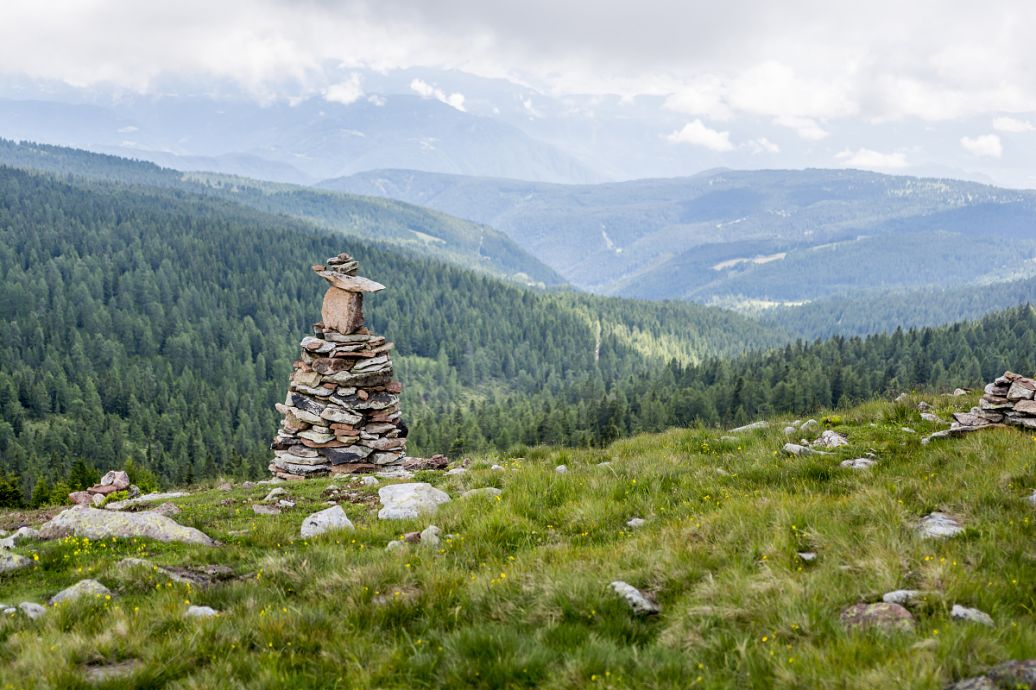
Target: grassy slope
{"x": 519, "y": 597}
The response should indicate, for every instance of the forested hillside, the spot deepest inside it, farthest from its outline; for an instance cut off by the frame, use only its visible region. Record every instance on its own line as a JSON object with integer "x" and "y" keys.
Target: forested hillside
{"x": 459, "y": 241}
{"x": 159, "y": 325}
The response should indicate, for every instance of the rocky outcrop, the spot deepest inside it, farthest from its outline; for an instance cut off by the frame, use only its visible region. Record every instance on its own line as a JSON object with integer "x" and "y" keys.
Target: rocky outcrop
{"x": 341, "y": 413}
{"x": 93, "y": 523}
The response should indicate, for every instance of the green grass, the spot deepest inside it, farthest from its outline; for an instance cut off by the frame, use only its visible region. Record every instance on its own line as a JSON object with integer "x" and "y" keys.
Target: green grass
{"x": 519, "y": 596}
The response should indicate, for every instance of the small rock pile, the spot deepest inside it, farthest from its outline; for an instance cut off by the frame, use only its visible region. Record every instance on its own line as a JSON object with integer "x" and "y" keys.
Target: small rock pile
{"x": 341, "y": 414}
{"x": 1006, "y": 401}
{"x": 111, "y": 482}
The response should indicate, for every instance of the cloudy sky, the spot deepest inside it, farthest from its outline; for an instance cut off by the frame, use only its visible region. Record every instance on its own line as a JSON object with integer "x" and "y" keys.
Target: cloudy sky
{"x": 898, "y": 87}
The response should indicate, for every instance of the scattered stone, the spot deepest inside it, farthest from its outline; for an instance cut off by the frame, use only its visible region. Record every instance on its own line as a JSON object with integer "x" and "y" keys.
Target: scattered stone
{"x": 31, "y": 609}
{"x": 797, "y": 450}
{"x": 80, "y": 498}
{"x": 200, "y": 612}
{"x": 198, "y": 576}
{"x": 807, "y": 556}
{"x": 325, "y": 521}
{"x": 858, "y": 463}
{"x": 275, "y": 493}
{"x": 957, "y": 392}
{"x": 923, "y": 406}
{"x": 636, "y": 522}
{"x": 963, "y": 613}
{"x": 394, "y": 544}
{"x": 1008, "y": 675}
{"x": 430, "y": 536}
{"x": 641, "y": 605}
{"x": 436, "y": 462}
{"x": 790, "y": 431}
{"x": 457, "y": 470}
{"x": 907, "y": 430}
{"x": 488, "y": 491}
{"x": 99, "y": 673}
{"x": 903, "y": 597}
{"x": 939, "y": 526}
{"x": 405, "y": 501}
{"x": 762, "y": 424}
{"x": 103, "y": 524}
{"x": 20, "y": 535}
{"x": 285, "y": 504}
{"x": 225, "y": 486}
{"x": 830, "y": 439}
{"x": 83, "y": 588}
{"x": 885, "y": 616}
{"x": 810, "y": 426}
{"x": 368, "y": 480}
{"x": 934, "y": 419}
{"x": 166, "y": 509}
{"x": 498, "y": 468}
{"x": 260, "y": 509}
{"x": 146, "y": 498}
{"x": 12, "y": 561}
{"x": 561, "y": 469}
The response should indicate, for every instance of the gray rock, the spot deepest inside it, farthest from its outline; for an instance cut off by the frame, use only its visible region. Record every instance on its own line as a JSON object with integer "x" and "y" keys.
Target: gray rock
{"x": 146, "y": 498}
{"x": 561, "y": 469}
{"x": 807, "y": 556}
{"x": 104, "y": 524}
{"x": 430, "y": 536}
{"x": 12, "y": 561}
{"x": 903, "y": 597}
{"x": 790, "y": 431}
{"x": 405, "y": 501}
{"x": 200, "y": 612}
{"x": 1010, "y": 674}
{"x": 31, "y": 609}
{"x": 275, "y": 493}
{"x": 325, "y": 521}
{"x": 882, "y": 616}
{"x": 907, "y": 429}
{"x": 923, "y": 406}
{"x": 259, "y": 509}
{"x": 117, "y": 478}
{"x": 762, "y": 424}
{"x": 957, "y": 392}
{"x": 641, "y": 605}
{"x": 487, "y": 491}
{"x": 83, "y": 588}
{"x": 963, "y": 613}
{"x": 636, "y": 522}
{"x": 934, "y": 419}
{"x": 285, "y": 504}
{"x": 810, "y": 426}
{"x": 456, "y": 470}
{"x": 497, "y": 468}
{"x": 939, "y": 526}
{"x": 367, "y": 480}
{"x": 394, "y": 545}
{"x": 797, "y": 450}
{"x": 830, "y": 439}
{"x": 858, "y": 463}
{"x": 166, "y": 509}
{"x": 20, "y": 535}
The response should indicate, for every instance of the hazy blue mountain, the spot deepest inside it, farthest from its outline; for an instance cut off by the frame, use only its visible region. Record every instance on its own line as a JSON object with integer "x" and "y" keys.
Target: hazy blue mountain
{"x": 420, "y": 230}
{"x": 745, "y": 236}
{"x": 293, "y": 142}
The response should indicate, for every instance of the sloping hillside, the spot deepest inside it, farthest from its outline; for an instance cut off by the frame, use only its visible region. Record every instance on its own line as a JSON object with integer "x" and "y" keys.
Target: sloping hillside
{"x": 766, "y": 235}
{"x": 751, "y": 557}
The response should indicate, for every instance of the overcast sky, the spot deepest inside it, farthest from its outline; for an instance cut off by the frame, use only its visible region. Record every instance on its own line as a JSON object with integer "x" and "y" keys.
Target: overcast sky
{"x": 964, "y": 70}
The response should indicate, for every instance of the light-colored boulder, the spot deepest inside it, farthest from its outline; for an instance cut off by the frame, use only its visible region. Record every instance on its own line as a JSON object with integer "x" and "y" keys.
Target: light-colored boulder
{"x": 103, "y": 524}
{"x": 325, "y": 521}
{"x": 939, "y": 526}
{"x": 761, "y": 424}
{"x": 858, "y": 463}
{"x": 561, "y": 469}
{"x": 883, "y": 616}
{"x": 810, "y": 426}
{"x": 640, "y": 604}
{"x": 797, "y": 450}
{"x": 903, "y": 597}
{"x": 456, "y": 470}
{"x": 146, "y": 498}
{"x": 83, "y": 588}
{"x": 12, "y": 561}
{"x": 487, "y": 491}
{"x": 200, "y": 612}
{"x": 807, "y": 556}
{"x": 636, "y": 522}
{"x": 430, "y": 536}
{"x": 22, "y": 534}
{"x": 31, "y": 609}
{"x": 963, "y": 613}
{"x": 275, "y": 493}
{"x": 830, "y": 439}
{"x": 405, "y": 501}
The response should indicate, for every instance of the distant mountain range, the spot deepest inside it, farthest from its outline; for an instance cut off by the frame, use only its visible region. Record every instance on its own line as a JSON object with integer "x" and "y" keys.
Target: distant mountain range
{"x": 744, "y": 237}
{"x": 299, "y": 142}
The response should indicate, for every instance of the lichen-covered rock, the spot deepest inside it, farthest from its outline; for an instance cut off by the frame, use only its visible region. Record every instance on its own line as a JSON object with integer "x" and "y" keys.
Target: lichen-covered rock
{"x": 640, "y": 604}
{"x": 325, "y": 521}
{"x": 405, "y": 501}
{"x": 83, "y": 588}
{"x": 883, "y": 616}
{"x": 1010, "y": 675}
{"x": 12, "y": 561}
{"x": 963, "y": 613}
{"x": 146, "y": 498}
{"x": 103, "y": 524}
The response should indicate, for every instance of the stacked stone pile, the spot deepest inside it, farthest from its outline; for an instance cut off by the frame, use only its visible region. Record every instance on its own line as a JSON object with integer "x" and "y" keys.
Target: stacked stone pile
{"x": 341, "y": 414}
{"x": 1009, "y": 400}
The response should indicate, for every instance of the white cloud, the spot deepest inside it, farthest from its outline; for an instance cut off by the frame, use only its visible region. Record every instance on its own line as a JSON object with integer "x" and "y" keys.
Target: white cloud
{"x": 983, "y": 145}
{"x": 805, "y": 127}
{"x": 697, "y": 133}
{"x": 761, "y": 145}
{"x": 1012, "y": 124}
{"x": 375, "y": 99}
{"x": 426, "y": 90}
{"x": 871, "y": 159}
{"x": 345, "y": 92}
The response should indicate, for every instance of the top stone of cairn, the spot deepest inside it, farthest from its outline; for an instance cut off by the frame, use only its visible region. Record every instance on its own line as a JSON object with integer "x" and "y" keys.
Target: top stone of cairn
{"x": 342, "y": 310}
{"x": 340, "y": 272}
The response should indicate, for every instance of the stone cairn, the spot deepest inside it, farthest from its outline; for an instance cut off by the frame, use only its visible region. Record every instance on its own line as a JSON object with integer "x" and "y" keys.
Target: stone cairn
{"x": 1006, "y": 401}
{"x": 341, "y": 414}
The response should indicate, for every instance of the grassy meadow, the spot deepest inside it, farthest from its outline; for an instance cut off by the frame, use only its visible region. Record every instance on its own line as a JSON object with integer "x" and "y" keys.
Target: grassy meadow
{"x": 517, "y": 595}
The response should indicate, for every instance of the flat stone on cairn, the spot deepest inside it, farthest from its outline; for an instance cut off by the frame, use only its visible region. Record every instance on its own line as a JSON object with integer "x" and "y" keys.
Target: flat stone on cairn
{"x": 341, "y": 414}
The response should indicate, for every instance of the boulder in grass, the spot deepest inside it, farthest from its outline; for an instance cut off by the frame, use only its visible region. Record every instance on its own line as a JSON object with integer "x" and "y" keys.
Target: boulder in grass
{"x": 884, "y": 616}
{"x": 405, "y": 501}
{"x": 81, "y": 589}
{"x": 103, "y": 524}
{"x": 1010, "y": 674}
{"x": 200, "y": 612}
{"x": 333, "y": 518}
{"x": 939, "y": 526}
{"x": 12, "y": 561}
{"x": 640, "y": 604}
{"x": 963, "y": 613}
